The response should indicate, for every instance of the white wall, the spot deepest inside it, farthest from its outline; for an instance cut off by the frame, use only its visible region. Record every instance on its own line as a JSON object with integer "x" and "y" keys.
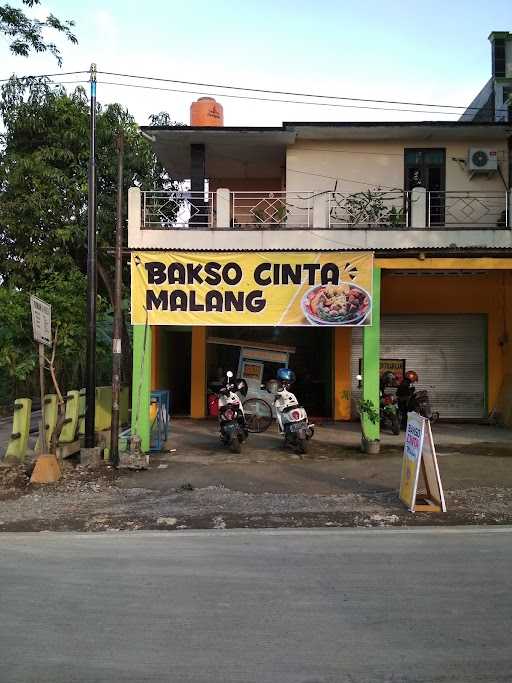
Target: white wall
{"x": 358, "y": 165}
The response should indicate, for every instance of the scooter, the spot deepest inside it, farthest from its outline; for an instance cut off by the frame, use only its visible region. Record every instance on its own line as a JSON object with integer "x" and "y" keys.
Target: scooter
{"x": 389, "y": 411}
{"x": 292, "y": 418}
{"x": 412, "y": 401}
{"x": 232, "y": 426}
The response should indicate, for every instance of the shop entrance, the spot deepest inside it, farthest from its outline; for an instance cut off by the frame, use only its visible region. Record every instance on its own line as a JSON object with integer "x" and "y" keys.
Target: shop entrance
{"x": 309, "y": 352}
{"x": 175, "y": 368}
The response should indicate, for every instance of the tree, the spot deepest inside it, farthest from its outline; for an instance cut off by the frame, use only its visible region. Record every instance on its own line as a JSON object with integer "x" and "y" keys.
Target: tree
{"x": 26, "y": 35}
{"x": 43, "y": 211}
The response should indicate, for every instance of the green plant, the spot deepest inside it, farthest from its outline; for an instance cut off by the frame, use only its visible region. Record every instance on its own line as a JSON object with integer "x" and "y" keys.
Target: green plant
{"x": 367, "y": 408}
{"x": 280, "y": 214}
{"x": 259, "y": 214}
{"x": 372, "y": 207}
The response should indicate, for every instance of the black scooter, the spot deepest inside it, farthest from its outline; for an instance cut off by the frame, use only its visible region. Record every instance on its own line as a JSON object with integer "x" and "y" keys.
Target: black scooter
{"x": 412, "y": 401}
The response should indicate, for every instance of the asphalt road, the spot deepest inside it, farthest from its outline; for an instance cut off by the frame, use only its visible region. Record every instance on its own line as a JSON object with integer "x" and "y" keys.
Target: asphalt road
{"x": 263, "y": 606}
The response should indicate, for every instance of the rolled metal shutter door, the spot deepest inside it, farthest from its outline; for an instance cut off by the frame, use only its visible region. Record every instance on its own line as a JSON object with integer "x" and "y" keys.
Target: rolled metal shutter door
{"x": 447, "y": 351}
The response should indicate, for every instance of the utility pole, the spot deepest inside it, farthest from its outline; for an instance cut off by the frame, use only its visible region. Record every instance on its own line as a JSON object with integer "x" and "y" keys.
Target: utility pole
{"x": 42, "y": 429}
{"x": 118, "y": 320}
{"x": 90, "y": 384}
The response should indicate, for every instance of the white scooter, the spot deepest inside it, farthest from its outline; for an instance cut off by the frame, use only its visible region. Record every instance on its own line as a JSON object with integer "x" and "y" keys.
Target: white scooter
{"x": 292, "y": 418}
{"x": 232, "y": 426}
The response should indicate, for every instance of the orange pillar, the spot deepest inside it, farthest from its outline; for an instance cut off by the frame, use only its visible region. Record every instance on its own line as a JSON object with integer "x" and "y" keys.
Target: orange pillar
{"x": 198, "y": 378}
{"x": 342, "y": 386}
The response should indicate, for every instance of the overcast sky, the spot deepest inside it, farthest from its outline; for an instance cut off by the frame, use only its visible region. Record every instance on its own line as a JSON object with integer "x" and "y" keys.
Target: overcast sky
{"x": 435, "y": 51}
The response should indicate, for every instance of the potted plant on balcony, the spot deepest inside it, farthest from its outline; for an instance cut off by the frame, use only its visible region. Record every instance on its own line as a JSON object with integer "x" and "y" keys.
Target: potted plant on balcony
{"x": 367, "y": 408}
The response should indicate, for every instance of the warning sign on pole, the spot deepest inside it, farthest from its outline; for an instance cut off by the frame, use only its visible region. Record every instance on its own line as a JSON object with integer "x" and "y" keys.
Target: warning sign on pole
{"x": 41, "y": 320}
{"x": 420, "y": 457}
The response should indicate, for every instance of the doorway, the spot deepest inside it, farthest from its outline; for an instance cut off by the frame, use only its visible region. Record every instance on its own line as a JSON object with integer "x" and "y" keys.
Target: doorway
{"x": 427, "y": 168}
{"x": 178, "y": 356}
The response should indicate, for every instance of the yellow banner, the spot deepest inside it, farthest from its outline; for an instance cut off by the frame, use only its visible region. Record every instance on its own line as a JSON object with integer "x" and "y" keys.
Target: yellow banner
{"x": 251, "y": 288}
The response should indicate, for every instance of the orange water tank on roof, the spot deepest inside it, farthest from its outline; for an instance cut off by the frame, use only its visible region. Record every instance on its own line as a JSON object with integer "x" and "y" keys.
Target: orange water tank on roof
{"x": 206, "y": 112}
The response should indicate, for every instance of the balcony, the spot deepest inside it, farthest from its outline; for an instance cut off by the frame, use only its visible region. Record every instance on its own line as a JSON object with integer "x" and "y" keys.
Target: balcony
{"x": 277, "y": 220}
{"x": 367, "y": 209}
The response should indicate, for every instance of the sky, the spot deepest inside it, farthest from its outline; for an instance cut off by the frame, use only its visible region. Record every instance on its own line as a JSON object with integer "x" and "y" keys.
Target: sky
{"x": 434, "y": 52}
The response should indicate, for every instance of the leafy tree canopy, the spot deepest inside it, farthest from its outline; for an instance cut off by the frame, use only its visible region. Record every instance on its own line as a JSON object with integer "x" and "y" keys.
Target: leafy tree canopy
{"x": 44, "y": 153}
{"x": 26, "y": 35}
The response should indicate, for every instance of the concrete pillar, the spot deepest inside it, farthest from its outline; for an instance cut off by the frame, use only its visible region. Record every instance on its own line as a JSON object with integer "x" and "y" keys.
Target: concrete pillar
{"x": 198, "y": 373}
{"x": 141, "y": 384}
{"x": 371, "y": 361}
{"x": 223, "y": 208}
{"x": 134, "y": 214}
{"x": 418, "y": 204}
{"x": 342, "y": 385}
{"x": 197, "y": 178}
{"x": 155, "y": 358}
{"x": 321, "y": 210}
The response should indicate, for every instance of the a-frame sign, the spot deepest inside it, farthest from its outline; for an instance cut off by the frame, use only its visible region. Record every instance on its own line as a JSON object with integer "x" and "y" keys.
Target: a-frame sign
{"x": 420, "y": 456}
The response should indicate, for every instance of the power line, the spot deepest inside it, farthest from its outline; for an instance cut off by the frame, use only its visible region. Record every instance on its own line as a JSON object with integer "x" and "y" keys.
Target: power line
{"x": 281, "y": 101}
{"x": 366, "y": 183}
{"x": 264, "y": 91}
{"x": 22, "y": 78}
{"x": 285, "y": 92}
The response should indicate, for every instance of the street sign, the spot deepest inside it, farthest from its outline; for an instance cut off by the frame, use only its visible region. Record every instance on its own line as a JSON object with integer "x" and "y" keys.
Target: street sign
{"x": 420, "y": 455}
{"x": 41, "y": 321}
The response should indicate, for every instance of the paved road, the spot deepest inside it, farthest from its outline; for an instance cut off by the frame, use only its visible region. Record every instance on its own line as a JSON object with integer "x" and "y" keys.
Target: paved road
{"x": 269, "y": 607}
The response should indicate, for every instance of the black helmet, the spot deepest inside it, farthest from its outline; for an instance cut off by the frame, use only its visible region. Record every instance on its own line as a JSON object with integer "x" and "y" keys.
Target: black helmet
{"x": 388, "y": 379}
{"x": 286, "y": 375}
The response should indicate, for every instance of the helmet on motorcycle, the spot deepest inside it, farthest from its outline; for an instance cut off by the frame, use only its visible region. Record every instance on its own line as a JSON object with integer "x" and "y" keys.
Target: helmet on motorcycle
{"x": 388, "y": 379}
{"x": 286, "y": 375}
{"x": 411, "y": 376}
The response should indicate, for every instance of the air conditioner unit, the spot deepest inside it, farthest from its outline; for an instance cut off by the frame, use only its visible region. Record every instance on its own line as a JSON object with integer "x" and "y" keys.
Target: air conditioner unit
{"x": 482, "y": 160}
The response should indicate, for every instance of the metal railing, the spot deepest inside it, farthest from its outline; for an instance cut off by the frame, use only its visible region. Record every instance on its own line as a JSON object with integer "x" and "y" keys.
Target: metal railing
{"x": 461, "y": 209}
{"x": 368, "y": 209}
{"x": 365, "y": 209}
{"x": 177, "y": 209}
{"x": 258, "y": 209}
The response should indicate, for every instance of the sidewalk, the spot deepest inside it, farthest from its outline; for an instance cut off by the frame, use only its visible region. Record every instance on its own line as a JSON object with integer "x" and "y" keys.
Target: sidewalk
{"x": 202, "y": 485}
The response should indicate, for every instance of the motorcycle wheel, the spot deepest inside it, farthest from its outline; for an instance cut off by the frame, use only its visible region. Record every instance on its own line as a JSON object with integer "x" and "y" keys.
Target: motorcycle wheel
{"x": 395, "y": 424}
{"x": 235, "y": 445}
{"x": 301, "y": 446}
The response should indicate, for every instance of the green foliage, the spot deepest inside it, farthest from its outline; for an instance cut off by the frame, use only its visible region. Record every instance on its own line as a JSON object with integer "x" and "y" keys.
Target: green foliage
{"x": 44, "y": 157}
{"x": 370, "y": 207}
{"x": 367, "y": 409}
{"x": 26, "y": 35}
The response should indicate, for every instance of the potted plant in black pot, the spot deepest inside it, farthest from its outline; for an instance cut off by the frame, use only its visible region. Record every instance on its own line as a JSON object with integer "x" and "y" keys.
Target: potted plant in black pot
{"x": 367, "y": 408}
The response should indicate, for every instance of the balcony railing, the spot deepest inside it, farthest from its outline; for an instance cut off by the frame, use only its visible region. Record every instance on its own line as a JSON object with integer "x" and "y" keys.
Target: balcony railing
{"x": 369, "y": 209}
{"x": 177, "y": 209}
{"x": 365, "y": 209}
{"x": 482, "y": 209}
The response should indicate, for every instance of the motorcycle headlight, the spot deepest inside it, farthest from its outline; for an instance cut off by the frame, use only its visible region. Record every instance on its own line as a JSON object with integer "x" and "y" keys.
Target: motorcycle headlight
{"x": 229, "y": 413}
{"x": 295, "y": 414}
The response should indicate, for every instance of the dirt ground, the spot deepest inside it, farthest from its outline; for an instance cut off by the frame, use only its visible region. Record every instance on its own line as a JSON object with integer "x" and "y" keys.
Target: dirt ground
{"x": 196, "y": 483}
